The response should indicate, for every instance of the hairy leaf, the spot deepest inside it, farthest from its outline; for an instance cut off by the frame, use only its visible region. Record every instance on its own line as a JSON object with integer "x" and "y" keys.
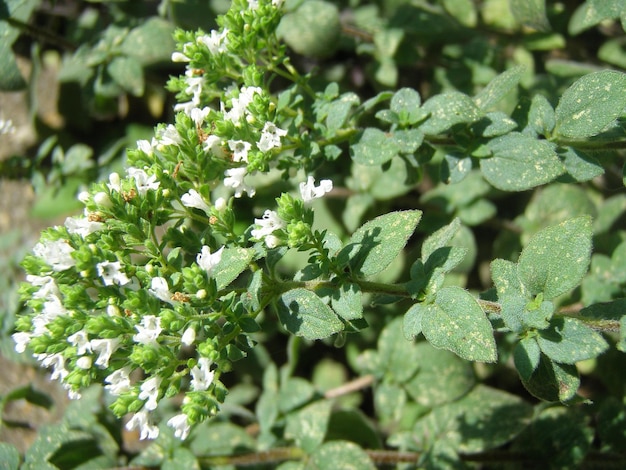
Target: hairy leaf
{"x": 457, "y": 323}
{"x": 568, "y": 341}
{"x": 557, "y": 258}
{"x": 304, "y": 314}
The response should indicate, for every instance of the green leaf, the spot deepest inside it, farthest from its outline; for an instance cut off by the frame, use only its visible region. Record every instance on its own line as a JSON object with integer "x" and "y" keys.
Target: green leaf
{"x": 568, "y": 341}
{"x": 447, "y": 110}
{"x": 31, "y": 395}
{"x": 457, "y": 323}
{"x": 406, "y": 104}
{"x": 552, "y": 381}
{"x": 397, "y": 356}
{"x": 591, "y": 104}
{"x": 476, "y": 423}
{"x": 498, "y": 88}
{"x": 340, "y": 454}
{"x": 440, "y": 238}
{"x": 347, "y": 301}
{"x": 317, "y": 38}
{"x": 127, "y": 73}
{"x": 557, "y": 258}
{"x": 308, "y": 426}
{"x": 181, "y": 458}
{"x": 374, "y": 147}
{"x": 526, "y": 355}
{"x": 233, "y": 262}
{"x": 442, "y": 377}
{"x": 464, "y": 11}
{"x": 375, "y": 245}
{"x": 412, "y": 322}
{"x": 9, "y": 457}
{"x": 579, "y": 165}
{"x": 140, "y": 42}
{"x": 352, "y": 425}
{"x": 215, "y": 438}
{"x": 541, "y": 117}
{"x": 304, "y": 314}
{"x": 530, "y": 13}
{"x": 520, "y": 162}
{"x": 293, "y": 393}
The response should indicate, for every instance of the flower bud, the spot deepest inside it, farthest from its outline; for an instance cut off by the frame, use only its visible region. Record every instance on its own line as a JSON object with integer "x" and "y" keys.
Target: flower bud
{"x": 102, "y": 199}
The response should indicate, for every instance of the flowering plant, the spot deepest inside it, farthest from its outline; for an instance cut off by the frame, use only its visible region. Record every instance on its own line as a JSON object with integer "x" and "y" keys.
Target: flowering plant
{"x": 164, "y": 281}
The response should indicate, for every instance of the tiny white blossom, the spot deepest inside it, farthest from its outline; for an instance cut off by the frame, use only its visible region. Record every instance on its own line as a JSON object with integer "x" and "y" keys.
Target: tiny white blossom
{"x": 169, "y": 136}
{"x": 102, "y": 199}
{"x": 192, "y": 198}
{"x": 150, "y": 392}
{"x": 114, "y": 183}
{"x": 202, "y": 375}
{"x": 47, "y": 286}
{"x": 239, "y": 105}
{"x": 21, "y": 341}
{"x": 84, "y": 362}
{"x": 111, "y": 273}
{"x": 141, "y": 421}
{"x": 240, "y": 149}
{"x": 189, "y": 336}
{"x": 83, "y": 197}
{"x": 234, "y": 179}
{"x": 181, "y": 426}
{"x": 146, "y": 146}
{"x": 143, "y": 181}
{"x": 82, "y": 226}
{"x": 149, "y": 330}
{"x": 113, "y": 310}
{"x": 81, "y": 341}
{"x": 309, "y": 191}
{"x": 57, "y": 253}
{"x": 105, "y": 348}
{"x": 267, "y": 225}
{"x": 198, "y": 115}
{"x": 272, "y": 241}
{"x": 57, "y": 362}
{"x": 119, "y": 381}
{"x": 160, "y": 289}
{"x": 214, "y": 145}
{"x": 207, "y": 260}
{"x": 270, "y": 137}
{"x": 179, "y": 57}
{"x": 220, "y": 204}
{"x": 216, "y": 42}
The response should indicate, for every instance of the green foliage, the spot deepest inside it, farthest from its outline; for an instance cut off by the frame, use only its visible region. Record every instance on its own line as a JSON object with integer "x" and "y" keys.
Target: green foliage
{"x": 418, "y": 198}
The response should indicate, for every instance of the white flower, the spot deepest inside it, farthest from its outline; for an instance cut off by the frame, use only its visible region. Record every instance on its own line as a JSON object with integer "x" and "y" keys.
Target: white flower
{"x": 150, "y": 392}
{"x": 141, "y": 421}
{"x": 57, "y": 253}
{"x": 234, "y": 179}
{"x": 149, "y": 330}
{"x": 214, "y": 145}
{"x": 181, "y": 426}
{"x": 142, "y": 181}
{"x": 82, "y": 226}
{"x": 179, "y": 57}
{"x": 240, "y": 149}
{"x": 202, "y": 375}
{"x": 199, "y": 115}
{"x": 81, "y": 341}
{"x": 207, "y": 260}
{"x": 105, "y": 348}
{"x": 84, "y": 362}
{"x": 47, "y": 285}
{"x": 160, "y": 289}
{"x": 119, "y": 381}
{"x": 239, "y": 105}
{"x": 147, "y": 147}
{"x": 21, "y": 341}
{"x": 270, "y": 137}
{"x": 193, "y": 199}
{"x": 111, "y": 273}
{"x": 57, "y": 362}
{"x": 189, "y": 336}
{"x": 220, "y": 204}
{"x": 102, "y": 199}
{"x": 267, "y": 225}
{"x": 114, "y": 183}
{"x": 272, "y": 241}
{"x": 309, "y": 191}
{"x": 169, "y": 136}
{"x": 113, "y": 310}
{"x": 216, "y": 42}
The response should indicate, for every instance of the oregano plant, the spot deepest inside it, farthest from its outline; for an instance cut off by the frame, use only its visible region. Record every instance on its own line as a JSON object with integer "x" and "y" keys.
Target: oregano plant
{"x": 280, "y": 203}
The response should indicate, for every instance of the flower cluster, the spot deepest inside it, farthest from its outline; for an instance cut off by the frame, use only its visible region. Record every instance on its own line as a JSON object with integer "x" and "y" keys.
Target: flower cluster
{"x": 133, "y": 294}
